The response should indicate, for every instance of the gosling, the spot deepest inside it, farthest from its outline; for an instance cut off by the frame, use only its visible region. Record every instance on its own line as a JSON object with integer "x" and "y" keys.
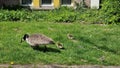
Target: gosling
{"x": 36, "y": 40}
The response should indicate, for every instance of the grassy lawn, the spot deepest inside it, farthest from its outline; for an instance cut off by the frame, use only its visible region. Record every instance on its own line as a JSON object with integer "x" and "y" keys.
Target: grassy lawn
{"x": 93, "y": 44}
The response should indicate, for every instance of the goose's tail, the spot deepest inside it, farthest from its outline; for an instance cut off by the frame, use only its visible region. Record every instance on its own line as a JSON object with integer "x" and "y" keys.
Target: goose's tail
{"x": 52, "y": 42}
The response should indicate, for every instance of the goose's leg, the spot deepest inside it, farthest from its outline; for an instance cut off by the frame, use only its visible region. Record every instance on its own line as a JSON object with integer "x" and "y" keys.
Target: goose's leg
{"x": 45, "y": 49}
{"x": 35, "y": 47}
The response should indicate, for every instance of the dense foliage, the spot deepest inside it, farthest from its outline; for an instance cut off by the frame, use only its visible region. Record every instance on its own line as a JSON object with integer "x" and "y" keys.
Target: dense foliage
{"x": 110, "y": 11}
{"x": 107, "y": 14}
{"x": 63, "y": 14}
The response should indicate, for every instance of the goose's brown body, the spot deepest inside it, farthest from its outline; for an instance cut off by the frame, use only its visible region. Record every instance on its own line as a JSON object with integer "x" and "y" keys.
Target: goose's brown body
{"x": 39, "y": 39}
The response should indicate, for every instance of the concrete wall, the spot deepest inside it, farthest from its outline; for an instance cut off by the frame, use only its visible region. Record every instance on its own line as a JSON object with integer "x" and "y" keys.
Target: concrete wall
{"x": 95, "y": 4}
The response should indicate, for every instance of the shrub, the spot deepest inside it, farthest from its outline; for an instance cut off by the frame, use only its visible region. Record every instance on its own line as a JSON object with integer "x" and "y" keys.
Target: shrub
{"x": 6, "y": 15}
{"x": 20, "y": 15}
{"x": 110, "y": 11}
{"x": 63, "y": 14}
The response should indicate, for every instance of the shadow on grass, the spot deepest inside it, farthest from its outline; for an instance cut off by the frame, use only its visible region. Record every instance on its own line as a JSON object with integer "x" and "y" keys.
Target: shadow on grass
{"x": 105, "y": 48}
{"x": 43, "y": 49}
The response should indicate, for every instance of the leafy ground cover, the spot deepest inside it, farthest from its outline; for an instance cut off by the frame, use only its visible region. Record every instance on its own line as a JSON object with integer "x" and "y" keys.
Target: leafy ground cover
{"x": 94, "y": 44}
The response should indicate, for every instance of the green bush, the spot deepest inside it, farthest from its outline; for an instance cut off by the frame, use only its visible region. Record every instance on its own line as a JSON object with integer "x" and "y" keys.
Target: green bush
{"x": 12, "y": 15}
{"x": 110, "y": 11}
{"x": 63, "y": 14}
{"x": 65, "y": 17}
{"x": 21, "y": 15}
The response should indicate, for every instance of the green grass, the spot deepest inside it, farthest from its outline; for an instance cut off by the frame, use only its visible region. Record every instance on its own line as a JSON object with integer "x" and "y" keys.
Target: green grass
{"x": 94, "y": 44}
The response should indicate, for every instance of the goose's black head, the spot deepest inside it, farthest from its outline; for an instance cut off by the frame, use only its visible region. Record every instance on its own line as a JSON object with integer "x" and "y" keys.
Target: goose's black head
{"x": 25, "y": 36}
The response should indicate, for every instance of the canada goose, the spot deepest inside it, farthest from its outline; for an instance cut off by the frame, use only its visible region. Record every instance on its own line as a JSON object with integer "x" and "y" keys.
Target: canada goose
{"x": 36, "y": 40}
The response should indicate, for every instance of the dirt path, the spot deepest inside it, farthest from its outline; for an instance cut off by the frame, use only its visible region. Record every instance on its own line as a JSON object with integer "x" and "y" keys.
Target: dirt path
{"x": 55, "y": 66}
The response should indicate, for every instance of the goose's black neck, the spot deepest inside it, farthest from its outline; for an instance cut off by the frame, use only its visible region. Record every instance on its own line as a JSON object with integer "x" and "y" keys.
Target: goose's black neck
{"x": 25, "y": 36}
